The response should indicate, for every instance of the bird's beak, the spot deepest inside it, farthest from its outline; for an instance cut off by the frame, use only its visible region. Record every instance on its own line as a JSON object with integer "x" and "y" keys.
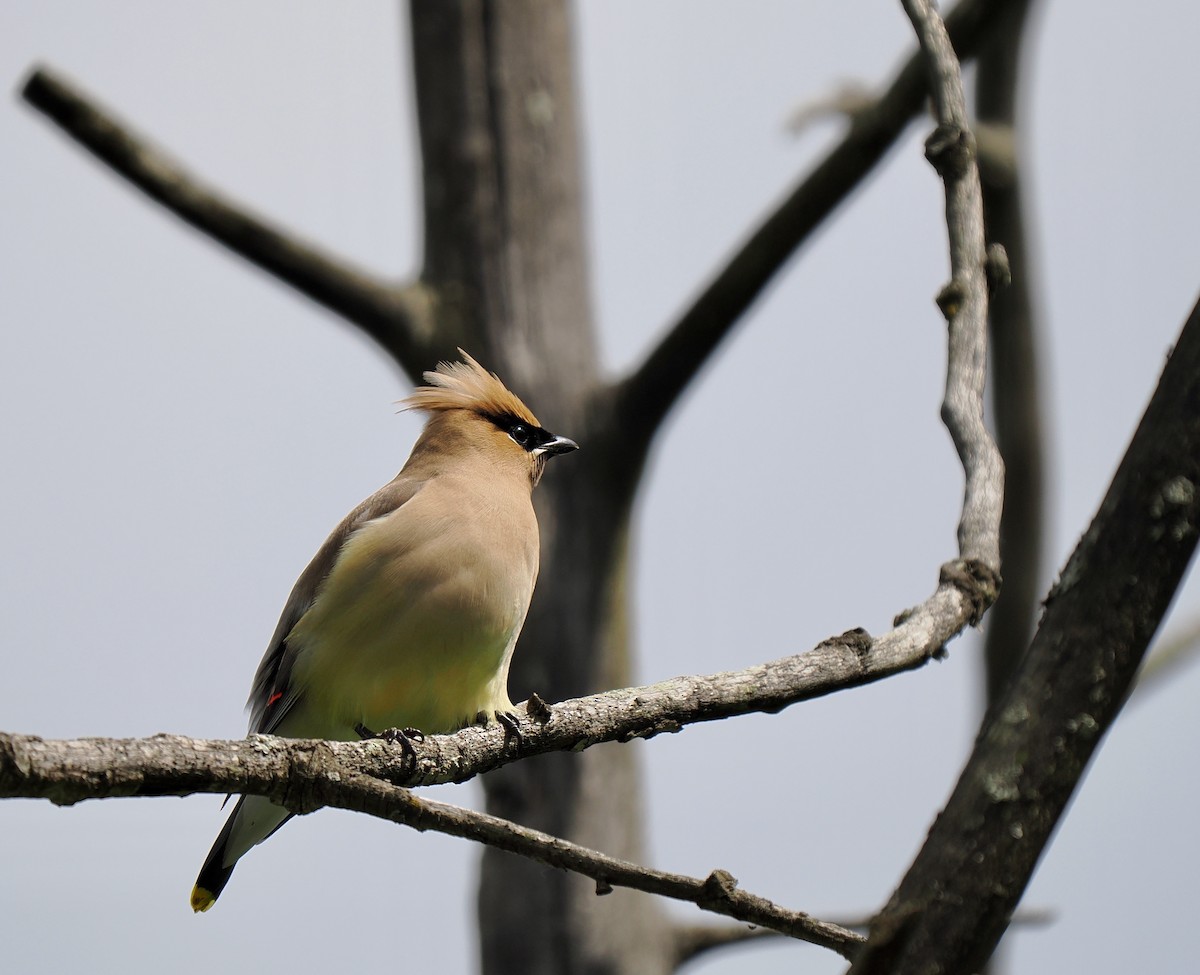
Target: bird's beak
{"x": 559, "y": 445}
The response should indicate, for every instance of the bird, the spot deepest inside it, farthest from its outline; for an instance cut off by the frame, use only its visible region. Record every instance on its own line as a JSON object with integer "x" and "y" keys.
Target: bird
{"x": 407, "y": 616}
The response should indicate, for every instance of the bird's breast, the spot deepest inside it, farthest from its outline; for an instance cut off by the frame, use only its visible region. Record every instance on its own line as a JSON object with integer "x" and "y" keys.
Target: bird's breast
{"x": 415, "y": 624}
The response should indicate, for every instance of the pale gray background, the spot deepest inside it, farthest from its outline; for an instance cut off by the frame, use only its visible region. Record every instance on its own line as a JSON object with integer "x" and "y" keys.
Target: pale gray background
{"x": 179, "y": 433}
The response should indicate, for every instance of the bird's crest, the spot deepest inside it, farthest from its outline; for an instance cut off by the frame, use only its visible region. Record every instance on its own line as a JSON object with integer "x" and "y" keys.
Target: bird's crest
{"x": 467, "y": 385}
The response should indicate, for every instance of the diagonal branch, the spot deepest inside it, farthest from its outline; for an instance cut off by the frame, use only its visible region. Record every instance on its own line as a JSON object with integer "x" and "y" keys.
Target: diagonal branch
{"x": 718, "y": 892}
{"x": 645, "y": 397}
{"x": 305, "y": 776}
{"x": 399, "y": 318}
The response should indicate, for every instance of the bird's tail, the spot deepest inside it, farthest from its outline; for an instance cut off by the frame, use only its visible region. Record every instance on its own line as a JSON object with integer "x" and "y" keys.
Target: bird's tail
{"x": 253, "y": 819}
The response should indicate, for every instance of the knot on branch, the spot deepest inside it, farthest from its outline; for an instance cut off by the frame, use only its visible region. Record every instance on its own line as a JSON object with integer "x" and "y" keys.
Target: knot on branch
{"x": 310, "y": 768}
{"x": 950, "y": 150}
{"x": 719, "y": 888}
{"x": 950, "y": 299}
{"x": 538, "y": 709}
{"x": 976, "y": 580}
{"x": 858, "y": 640}
{"x": 15, "y": 765}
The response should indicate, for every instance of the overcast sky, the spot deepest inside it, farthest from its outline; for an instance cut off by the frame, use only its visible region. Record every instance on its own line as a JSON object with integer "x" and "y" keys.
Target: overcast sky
{"x": 179, "y": 434}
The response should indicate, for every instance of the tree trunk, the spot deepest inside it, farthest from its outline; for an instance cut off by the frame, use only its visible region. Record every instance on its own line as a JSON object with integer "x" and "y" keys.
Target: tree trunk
{"x": 505, "y": 266}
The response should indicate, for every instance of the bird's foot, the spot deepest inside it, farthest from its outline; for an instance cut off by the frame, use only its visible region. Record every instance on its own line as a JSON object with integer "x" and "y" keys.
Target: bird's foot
{"x": 508, "y": 720}
{"x": 512, "y": 729}
{"x": 404, "y": 737}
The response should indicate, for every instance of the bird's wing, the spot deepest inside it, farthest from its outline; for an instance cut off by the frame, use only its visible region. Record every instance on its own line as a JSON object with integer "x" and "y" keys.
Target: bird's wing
{"x": 273, "y": 694}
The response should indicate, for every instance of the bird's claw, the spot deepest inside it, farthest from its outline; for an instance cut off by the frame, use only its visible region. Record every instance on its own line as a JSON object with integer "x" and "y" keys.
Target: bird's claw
{"x": 507, "y": 719}
{"x": 404, "y": 737}
{"x": 512, "y": 728}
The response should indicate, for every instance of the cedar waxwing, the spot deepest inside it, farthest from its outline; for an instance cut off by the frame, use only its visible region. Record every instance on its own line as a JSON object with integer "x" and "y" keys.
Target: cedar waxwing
{"x": 408, "y": 614}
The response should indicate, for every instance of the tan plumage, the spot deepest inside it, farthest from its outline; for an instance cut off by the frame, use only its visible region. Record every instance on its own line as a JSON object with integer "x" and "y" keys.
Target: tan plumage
{"x": 408, "y": 614}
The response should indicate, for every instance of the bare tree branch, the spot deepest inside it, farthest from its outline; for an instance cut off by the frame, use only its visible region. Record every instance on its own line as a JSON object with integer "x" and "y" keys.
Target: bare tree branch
{"x": 93, "y": 768}
{"x": 951, "y": 150}
{"x": 399, "y": 318}
{"x": 306, "y": 775}
{"x": 648, "y": 394}
{"x": 718, "y": 892}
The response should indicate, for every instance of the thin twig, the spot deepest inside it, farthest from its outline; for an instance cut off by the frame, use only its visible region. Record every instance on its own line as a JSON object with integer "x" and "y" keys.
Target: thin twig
{"x": 718, "y": 892}
{"x": 399, "y": 318}
{"x": 306, "y": 775}
{"x": 647, "y": 395}
{"x": 964, "y": 301}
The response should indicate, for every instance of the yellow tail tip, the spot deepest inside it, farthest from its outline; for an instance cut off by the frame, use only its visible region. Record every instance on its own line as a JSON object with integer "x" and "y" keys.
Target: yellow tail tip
{"x": 202, "y": 899}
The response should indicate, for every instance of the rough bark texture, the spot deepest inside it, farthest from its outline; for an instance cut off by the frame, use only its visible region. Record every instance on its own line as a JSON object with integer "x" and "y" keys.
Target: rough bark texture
{"x": 505, "y": 257}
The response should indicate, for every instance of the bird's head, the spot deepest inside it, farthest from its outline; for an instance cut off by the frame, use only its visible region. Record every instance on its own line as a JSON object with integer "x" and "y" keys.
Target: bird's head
{"x": 471, "y": 412}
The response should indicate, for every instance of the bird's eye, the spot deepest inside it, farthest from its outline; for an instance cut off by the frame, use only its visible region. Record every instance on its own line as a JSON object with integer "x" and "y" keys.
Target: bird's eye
{"x": 521, "y": 434}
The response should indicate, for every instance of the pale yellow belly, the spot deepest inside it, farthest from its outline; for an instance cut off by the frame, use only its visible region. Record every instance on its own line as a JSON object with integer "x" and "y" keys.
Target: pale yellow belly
{"x": 398, "y": 639}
